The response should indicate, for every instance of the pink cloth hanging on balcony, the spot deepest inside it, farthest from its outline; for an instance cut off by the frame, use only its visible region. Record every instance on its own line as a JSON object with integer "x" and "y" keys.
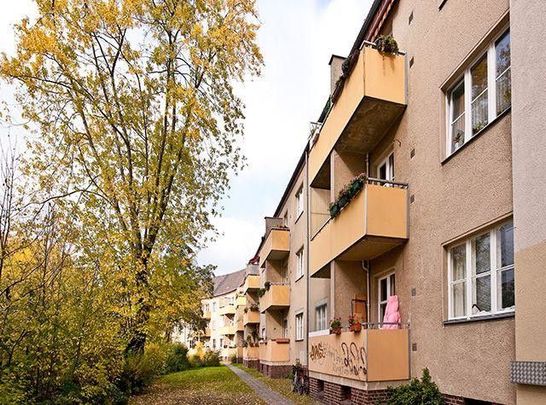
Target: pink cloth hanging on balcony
{"x": 391, "y": 320}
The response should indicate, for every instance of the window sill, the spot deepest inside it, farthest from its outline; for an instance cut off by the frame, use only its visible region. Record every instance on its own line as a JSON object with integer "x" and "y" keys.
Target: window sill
{"x": 441, "y": 4}
{"x": 479, "y": 134}
{"x": 484, "y": 318}
{"x": 298, "y": 216}
{"x": 299, "y": 278}
{"x": 299, "y": 340}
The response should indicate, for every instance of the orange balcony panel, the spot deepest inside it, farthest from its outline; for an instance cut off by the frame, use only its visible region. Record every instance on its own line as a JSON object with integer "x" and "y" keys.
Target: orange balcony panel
{"x": 374, "y": 222}
{"x": 276, "y": 246}
{"x": 274, "y": 351}
{"x": 277, "y": 297}
{"x": 251, "y": 317}
{"x": 384, "y": 355}
{"x": 372, "y": 99}
{"x": 227, "y": 310}
{"x": 251, "y": 352}
{"x": 252, "y": 283}
{"x": 240, "y": 325}
{"x": 228, "y": 330}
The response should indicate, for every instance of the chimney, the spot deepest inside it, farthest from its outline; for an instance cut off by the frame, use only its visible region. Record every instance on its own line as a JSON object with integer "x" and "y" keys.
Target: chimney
{"x": 335, "y": 70}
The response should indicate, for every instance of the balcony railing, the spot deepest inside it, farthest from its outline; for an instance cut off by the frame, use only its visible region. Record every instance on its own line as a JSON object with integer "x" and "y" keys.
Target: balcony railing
{"x": 276, "y": 246}
{"x": 252, "y": 283}
{"x": 277, "y": 297}
{"x": 374, "y": 222}
{"x": 227, "y": 310}
{"x": 251, "y": 352}
{"x": 228, "y": 330}
{"x": 373, "y": 97}
{"x": 251, "y": 317}
{"x": 275, "y": 351}
{"x": 373, "y": 355}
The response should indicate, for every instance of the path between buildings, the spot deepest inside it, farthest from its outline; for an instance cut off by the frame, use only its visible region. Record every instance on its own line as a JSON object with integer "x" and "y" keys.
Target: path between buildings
{"x": 263, "y": 391}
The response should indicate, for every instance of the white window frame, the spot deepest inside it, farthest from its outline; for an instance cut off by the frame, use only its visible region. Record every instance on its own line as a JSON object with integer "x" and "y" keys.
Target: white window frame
{"x": 470, "y": 276}
{"x": 299, "y": 202}
{"x": 300, "y": 264}
{"x": 389, "y": 168}
{"x": 299, "y": 326}
{"x": 466, "y": 80}
{"x": 379, "y": 302}
{"x": 321, "y": 317}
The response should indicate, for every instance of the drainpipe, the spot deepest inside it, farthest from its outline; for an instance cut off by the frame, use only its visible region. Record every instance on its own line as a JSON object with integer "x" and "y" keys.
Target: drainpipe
{"x": 368, "y": 164}
{"x": 307, "y": 232}
{"x": 366, "y": 267}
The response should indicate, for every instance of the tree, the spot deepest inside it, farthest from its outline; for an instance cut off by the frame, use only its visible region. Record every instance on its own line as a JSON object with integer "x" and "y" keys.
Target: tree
{"x": 138, "y": 124}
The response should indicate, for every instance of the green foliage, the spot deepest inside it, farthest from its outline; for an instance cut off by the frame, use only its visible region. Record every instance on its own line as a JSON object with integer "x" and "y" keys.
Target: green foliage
{"x": 346, "y": 194}
{"x": 200, "y": 356}
{"x": 233, "y": 359}
{"x": 386, "y": 44}
{"x": 177, "y": 359}
{"x": 417, "y": 392}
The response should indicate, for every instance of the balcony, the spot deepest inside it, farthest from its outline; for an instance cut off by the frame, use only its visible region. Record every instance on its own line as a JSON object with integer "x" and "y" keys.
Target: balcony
{"x": 276, "y": 246}
{"x": 384, "y": 355}
{"x": 206, "y": 315}
{"x": 372, "y": 99}
{"x": 240, "y": 325}
{"x": 374, "y": 222}
{"x": 240, "y": 301}
{"x": 251, "y": 352}
{"x": 207, "y": 332}
{"x": 277, "y": 297}
{"x": 251, "y": 317}
{"x": 274, "y": 351}
{"x": 252, "y": 283}
{"x": 228, "y": 330}
{"x": 227, "y": 310}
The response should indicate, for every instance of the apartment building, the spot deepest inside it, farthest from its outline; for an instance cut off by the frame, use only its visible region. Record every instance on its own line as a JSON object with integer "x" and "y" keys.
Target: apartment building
{"x": 428, "y": 172}
{"x": 223, "y": 313}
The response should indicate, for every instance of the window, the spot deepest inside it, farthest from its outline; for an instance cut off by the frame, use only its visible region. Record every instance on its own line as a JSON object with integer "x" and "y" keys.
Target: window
{"x": 481, "y": 274}
{"x": 321, "y": 317}
{"x": 213, "y": 344}
{"x": 481, "y": 95}
{"x": 385, "y": 170}
{"x": 221, "y": 343}
{"x": 386, "y": 288}
{"x": 299, "y": 264}
{"x": 214, "y": 306}
{"x": 263, "y": 333}
{"x": 299, "y": 202}
{"x": 299, "y": 326}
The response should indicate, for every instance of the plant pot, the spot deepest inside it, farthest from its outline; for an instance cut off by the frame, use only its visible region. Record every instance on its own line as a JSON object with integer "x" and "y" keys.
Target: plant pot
{"x": 335, "y": 331}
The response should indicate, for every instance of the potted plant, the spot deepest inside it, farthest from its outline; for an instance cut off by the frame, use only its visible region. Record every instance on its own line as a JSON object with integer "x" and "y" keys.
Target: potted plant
{"x": 254, "y": 307}
{"x": 386, "y": 44}
{"x": 354, "y": 324}
{"x": 261, "y": 292}
{"x": 334, "y": 209}
{"x": 335, "y": 326}
{"x": 267, "y": 285}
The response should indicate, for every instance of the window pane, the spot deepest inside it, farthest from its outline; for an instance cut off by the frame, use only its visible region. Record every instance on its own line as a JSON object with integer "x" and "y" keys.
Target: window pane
{"x": 382, "y": 308}
{"x": 503, "y": 73}
{"x": 457, "y": 117}
{"x": 483, "y": 293}
{"x": 506, "y": 241}
{"x": 502, "y": 50}
{"x": 459, "y": 299}
{"x": 482, "y": 254}
{"x": 479, "y": 95}
{"x": 393, "y": 285}
{"x": 458, "y": 262}
{"x": 507, "y": 289}
{"x": 383, "y": 292}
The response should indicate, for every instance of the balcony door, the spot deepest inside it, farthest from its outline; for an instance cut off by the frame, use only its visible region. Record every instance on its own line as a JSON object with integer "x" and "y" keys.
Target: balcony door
{"x": 385, "y": 169}
{"x": 386, "y": 288}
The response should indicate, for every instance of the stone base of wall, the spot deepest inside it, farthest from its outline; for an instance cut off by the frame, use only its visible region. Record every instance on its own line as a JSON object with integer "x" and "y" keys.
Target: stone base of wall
{"x": 333, "y": 394}
{"x": 252, "y": 363}
{"x": 275, "y": 371}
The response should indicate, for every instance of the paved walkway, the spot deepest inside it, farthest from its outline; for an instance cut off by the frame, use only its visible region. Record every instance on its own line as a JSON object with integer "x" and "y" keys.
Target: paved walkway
{"x": 266, "y": 393}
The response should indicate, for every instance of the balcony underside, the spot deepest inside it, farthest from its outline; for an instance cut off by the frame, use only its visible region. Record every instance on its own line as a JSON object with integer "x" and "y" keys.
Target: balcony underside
{"x": 368, "y": 248}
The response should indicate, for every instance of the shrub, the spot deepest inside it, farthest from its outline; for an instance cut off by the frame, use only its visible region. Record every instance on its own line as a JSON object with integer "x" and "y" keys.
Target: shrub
{"x": 417, "y": 392}
{"x": 211, "y": 358}
{"x": 233, "y": 358}
{"x": 177, "y": 358}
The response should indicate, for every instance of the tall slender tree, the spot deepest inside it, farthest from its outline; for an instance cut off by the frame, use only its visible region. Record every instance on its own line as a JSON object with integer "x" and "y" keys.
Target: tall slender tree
{"x": 137, "y": 126}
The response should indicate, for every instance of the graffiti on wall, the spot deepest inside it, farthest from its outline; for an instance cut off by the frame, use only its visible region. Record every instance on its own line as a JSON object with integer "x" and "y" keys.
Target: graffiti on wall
{"x": 340, "y": 356}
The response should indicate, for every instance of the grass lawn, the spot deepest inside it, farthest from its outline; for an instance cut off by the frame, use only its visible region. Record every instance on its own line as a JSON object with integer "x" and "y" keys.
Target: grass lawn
{"x": 281, "y": 385}
{"x": 208, "y": 385}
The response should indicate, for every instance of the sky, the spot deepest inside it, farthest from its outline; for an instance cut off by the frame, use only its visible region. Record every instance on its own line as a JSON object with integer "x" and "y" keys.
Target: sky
{"x": 297, "y": 38}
